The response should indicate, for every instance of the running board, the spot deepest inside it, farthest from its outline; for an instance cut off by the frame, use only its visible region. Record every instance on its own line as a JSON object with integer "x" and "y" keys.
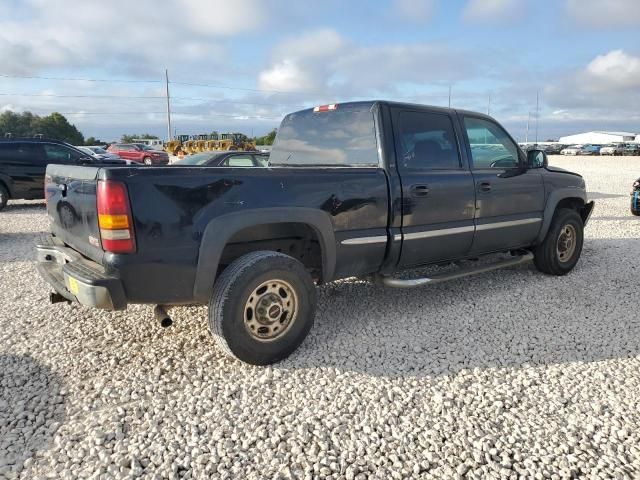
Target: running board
{"x": 462, "y": 272}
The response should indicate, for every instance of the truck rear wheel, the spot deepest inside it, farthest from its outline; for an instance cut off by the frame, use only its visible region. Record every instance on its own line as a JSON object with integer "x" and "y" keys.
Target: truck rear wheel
{"x": 561, "y": 248}
{"x": 262, "y": 307}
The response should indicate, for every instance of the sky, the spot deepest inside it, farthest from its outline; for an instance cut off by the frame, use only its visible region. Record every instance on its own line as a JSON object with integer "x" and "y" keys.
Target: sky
{"x": 241, "y": 65}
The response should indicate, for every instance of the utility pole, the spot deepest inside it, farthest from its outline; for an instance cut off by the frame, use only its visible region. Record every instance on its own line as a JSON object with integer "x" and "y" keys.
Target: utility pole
{"x": 166, "y": 76}
{"x": 537, "y": 112}
{"x": 526, "y": 137}
{"x": 449, "y": 95}
{"x": 489, "y": 105}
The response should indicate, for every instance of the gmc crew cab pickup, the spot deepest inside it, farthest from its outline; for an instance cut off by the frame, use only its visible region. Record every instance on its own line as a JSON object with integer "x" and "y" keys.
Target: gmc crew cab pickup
{"x": 363, "y": 189}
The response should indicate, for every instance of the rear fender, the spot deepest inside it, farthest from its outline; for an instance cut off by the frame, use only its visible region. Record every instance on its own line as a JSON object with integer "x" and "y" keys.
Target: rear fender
{"x": 220, "y": 230}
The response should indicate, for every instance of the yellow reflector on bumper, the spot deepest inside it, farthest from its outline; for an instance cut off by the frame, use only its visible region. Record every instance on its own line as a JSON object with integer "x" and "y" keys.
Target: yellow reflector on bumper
{"x": 113, "y": 222}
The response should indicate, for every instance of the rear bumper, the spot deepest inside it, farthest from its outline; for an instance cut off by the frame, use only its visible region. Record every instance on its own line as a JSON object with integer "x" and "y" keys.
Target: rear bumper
{"x": 78, "y": 279}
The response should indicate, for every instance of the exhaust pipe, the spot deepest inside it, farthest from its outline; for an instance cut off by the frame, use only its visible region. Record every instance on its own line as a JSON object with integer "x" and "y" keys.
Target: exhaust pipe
{"x": 55, "y": 297}
{"x": 162, "y": 316}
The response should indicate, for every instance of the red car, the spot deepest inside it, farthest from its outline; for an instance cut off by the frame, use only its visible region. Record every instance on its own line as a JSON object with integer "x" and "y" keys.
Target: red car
{"x": 139, "y": 153}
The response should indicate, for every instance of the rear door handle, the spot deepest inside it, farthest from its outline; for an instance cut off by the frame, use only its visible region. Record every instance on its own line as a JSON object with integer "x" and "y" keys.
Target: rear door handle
{"x": 419, "y": 190}
{"x": 484, "y": 187}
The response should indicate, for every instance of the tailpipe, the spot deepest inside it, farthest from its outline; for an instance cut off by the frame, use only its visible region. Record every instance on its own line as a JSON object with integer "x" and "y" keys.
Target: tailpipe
{"x": 163, "y": 318}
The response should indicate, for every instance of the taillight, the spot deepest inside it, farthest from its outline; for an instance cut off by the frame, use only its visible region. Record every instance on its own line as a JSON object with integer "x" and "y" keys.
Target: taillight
{"x": 114, "y": 217}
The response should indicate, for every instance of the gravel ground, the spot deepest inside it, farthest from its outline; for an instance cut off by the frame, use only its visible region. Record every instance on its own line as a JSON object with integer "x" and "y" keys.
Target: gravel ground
{"x": 505, "y": 375}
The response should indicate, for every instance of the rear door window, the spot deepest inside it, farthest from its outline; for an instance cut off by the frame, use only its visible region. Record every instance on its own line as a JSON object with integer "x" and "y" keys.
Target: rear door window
{"x": 426, "y": 141}
{"x": 27, "y": 153}
{"x": 344, "y": 137}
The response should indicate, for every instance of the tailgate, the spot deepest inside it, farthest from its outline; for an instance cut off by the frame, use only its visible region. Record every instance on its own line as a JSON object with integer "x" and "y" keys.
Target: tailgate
{"x": 72, "y": 209}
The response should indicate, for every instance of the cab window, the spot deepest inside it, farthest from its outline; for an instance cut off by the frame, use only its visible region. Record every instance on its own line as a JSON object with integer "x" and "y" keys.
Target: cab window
{"x": 490, "y": 145}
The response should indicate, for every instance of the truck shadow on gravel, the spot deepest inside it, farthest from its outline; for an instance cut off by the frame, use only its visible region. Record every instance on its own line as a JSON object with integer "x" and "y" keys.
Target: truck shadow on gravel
{"x": 31, "y": 410}
{"x": 504, "y": 319}
{"x": 19, "y": 246}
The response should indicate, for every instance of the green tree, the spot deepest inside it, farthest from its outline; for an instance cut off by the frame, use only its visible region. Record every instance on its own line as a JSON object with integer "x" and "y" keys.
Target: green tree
{"x": 128, "y": 138}
{"x": 27, "y": 124}
{"x": 94, "y": 141}
{"x": 268, "y": 139}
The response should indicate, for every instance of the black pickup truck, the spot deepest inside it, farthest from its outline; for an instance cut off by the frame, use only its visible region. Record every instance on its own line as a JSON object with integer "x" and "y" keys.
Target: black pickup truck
{"x": 363, "y": 189}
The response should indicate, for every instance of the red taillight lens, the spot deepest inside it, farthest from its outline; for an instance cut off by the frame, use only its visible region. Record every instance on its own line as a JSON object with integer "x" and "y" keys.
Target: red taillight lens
{"x": 114, "y": 217}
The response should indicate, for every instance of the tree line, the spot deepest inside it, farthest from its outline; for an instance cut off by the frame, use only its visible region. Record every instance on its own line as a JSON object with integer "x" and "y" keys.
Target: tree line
{"x": 55, "y": 125}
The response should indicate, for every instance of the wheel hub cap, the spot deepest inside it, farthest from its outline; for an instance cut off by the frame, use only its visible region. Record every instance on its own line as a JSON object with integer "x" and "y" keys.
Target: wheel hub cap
{"x": 566, "y": 244}
{"x": 270, "y": 310}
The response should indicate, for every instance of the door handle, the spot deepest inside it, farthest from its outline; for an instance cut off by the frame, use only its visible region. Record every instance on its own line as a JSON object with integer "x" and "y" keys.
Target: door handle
{"x": 419, "y": 190}
{"x": 484, "y": 187}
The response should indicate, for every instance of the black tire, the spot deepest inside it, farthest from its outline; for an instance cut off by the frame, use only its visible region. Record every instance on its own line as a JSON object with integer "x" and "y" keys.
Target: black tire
{"x": 4, "y": 196}
{"x": 238, "y": 284}
{"x": 635, "y": 211}
{"x": 548, "y": 256}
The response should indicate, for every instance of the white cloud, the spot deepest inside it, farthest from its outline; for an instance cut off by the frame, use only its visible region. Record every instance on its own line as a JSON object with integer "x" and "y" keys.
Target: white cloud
{"x": 614, "y": 70}
{"x": 322, "y": 62}
{"x": 141, "y": 35}
{"x": 605, "y": 13}
{"x": 605, "y": 90}
{"x": 494, "y": 11}
{"x": 414, "y": 11}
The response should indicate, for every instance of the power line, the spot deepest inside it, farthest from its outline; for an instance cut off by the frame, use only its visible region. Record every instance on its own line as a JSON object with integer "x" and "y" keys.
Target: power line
{"x": 153, "y": 97}
{"x": 106, "y": 80}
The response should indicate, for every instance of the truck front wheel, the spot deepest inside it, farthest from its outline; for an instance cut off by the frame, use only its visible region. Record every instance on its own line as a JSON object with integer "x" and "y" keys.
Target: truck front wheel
{"x": 262, "y": 307}
{"x": 560, "y": 250}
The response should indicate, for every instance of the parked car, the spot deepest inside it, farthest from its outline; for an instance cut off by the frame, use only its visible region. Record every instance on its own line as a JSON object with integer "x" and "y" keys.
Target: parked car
{"x": 23, "y": 162}
{"x": 613, "y": 149}
{"x": 631, "y": 149}
{"x": 635, "y": 198}
{"x": 552, "y": 148}
{"x": 362, "y": 189}
{"x": 101, "y": 152}
{"x": 581, "y": 150}
{"x": 139, "y": 153}
{"x": 224, "y": 159}
{"x": 153, "y": 143}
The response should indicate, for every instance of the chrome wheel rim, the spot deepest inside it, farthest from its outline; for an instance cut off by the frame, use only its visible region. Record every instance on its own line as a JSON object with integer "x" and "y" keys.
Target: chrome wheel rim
{"x": 566, "y": 245}
{"x": 270, "y": 310}
{"x": 147, "y": 161}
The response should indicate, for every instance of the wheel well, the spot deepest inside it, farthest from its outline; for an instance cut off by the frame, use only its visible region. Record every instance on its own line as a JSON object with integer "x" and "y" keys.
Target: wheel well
{"x": 573, "y": 203}
{"x": 297, "y": 240}
{"x": 6, "y": 187}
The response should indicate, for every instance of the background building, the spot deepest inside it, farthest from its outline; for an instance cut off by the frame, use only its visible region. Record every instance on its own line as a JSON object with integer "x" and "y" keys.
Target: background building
{"x": 599, "y": 137}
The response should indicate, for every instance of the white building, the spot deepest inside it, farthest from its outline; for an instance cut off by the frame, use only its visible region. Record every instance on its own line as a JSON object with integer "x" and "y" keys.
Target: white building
{"x": 599, "y": 138}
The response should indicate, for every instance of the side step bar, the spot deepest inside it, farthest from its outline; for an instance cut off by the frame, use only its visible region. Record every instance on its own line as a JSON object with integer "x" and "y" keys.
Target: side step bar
{"x": 462, "y": 272}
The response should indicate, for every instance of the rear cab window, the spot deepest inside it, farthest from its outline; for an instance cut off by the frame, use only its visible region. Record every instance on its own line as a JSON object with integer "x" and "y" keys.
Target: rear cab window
{"x": 341, "y": 137}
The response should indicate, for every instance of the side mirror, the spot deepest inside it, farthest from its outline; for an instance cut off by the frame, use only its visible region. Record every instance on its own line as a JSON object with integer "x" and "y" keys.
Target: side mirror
{"x": 536, "y": 159}
{"x": 85, "y": 160}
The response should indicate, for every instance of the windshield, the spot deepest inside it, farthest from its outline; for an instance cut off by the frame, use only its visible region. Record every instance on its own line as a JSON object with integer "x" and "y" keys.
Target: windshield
{"x": 341, "y": 137}
{"x": 86, "y": 150}
{"x": 98, "y": 150}
{"x": 197, "y": 159}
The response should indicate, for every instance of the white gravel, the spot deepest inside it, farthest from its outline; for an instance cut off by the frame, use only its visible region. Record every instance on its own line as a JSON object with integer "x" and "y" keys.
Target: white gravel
{"x": 504, "y": 375}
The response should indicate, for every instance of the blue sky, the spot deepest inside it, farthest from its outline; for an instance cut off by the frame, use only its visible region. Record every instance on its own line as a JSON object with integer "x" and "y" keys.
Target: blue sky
{"x": 262, "y": 59}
